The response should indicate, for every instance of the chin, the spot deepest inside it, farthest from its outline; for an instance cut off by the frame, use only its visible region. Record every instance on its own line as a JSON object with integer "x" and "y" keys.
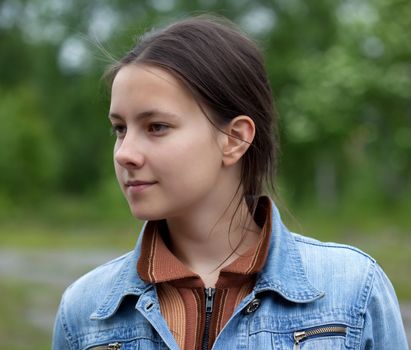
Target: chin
{"x": 146, "y": 215}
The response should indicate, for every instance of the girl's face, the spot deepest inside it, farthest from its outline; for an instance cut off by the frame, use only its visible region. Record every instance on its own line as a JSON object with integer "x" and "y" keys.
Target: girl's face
{"x": 167, "y": 155}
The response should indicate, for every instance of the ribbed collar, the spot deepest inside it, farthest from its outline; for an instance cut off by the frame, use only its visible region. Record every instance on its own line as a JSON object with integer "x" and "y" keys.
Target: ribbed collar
{"x": 158, "y": 264}
{"x": 283, "y": 273}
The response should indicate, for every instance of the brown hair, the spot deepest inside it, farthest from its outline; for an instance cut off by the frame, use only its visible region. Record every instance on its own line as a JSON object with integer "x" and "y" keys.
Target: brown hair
{"x": 224, "y": 70}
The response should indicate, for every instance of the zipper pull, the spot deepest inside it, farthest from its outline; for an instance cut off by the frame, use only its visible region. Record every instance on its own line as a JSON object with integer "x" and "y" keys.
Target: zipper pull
{"x": 298, "y": 336}
{"x": 312, "y": 332}
{"x": 114, "y": 346}
{"x": 209, "y": 292}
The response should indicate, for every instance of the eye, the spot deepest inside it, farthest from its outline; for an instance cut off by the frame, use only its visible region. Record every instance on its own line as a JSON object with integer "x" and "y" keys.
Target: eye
{"x": 118, "y": 130}
{"x": 158, "y": 128}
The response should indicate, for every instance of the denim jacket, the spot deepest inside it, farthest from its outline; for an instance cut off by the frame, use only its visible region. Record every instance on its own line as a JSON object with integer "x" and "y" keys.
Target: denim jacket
{"x": 309, "y": 295}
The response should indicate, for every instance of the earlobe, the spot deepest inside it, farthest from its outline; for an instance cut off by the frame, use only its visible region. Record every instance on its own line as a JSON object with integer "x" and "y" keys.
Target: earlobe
{"x": 240, "y": 134}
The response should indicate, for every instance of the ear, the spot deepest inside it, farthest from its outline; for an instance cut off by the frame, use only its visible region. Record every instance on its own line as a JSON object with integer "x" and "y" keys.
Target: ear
{"x": 240, "y": 133}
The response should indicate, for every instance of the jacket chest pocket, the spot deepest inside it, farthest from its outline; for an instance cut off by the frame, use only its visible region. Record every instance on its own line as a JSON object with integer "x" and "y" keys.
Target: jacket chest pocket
{"x": 143, "y": 344}
{"x": 323, "y": 336}
{"x": 109, "y": 346}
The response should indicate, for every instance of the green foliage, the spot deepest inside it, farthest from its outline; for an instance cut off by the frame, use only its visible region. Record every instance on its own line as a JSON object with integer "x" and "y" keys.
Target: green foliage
{"x": 28, "y": 153}
{"x": 339, "y": 71}
{"x": 344, "y": 99}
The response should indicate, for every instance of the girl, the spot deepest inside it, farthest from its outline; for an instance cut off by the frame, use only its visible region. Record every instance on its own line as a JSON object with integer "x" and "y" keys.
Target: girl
{"x": 214, "y": 267}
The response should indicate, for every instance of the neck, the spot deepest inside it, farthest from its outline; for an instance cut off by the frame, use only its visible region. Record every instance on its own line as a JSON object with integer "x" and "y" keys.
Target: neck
{"x": 206, "y": 240}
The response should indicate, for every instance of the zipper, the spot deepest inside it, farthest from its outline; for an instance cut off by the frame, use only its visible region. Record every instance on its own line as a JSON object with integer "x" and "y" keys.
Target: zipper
{"x": 111, "y": 346}
{"x": 319, "y": 331}
{"x": 209, "y": 302}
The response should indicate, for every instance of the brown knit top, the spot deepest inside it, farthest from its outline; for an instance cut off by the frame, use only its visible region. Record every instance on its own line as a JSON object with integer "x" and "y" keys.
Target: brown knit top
{"x": 181, "y": 292}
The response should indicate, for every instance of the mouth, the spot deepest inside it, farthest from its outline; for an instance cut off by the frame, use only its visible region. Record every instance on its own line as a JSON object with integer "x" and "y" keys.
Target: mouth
{"x": 138, "y": 185}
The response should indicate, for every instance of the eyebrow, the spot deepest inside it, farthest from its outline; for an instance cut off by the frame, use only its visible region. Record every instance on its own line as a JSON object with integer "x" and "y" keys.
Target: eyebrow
{"x": 145, "y": 115}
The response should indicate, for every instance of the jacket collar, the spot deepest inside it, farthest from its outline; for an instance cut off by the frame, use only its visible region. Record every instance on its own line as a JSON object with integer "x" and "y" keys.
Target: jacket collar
{"x": 127, "y": 282}
{"x": 283, "y": 273}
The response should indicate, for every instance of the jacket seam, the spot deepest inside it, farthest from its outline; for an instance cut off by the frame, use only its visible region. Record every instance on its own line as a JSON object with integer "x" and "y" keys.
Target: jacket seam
{"x": 298, "y": 238}
{"x": 298, "y": 297}
{"x": 315, "y": 316}
{"x": 82, "y": 336}
{"x": 67, "y": 334}
{"x": 367, "y": 299}
{"x": 369, "y": 286}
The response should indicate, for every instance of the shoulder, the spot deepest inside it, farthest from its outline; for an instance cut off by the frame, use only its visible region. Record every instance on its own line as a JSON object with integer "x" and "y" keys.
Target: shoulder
{"x": 310, "y": 247}
{"x": 344, "y": 272}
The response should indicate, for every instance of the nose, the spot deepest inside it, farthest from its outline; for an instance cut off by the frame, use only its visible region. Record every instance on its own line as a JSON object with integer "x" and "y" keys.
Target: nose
{"x": 127, "y": 153}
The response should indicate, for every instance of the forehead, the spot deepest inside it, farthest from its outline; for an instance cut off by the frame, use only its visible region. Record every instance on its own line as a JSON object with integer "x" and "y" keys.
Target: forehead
{"x": 138, "y": 88}
{"x": 139, "y": 80}
{"x": 143, "y": 71}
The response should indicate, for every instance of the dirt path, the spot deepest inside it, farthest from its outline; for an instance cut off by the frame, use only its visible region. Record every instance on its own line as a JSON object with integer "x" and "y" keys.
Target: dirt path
{"x": 51, "y": 271}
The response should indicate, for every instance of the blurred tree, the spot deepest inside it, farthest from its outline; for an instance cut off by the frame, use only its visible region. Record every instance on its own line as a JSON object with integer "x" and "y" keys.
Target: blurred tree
{"x": 340, "y": 71}
{"x": 28, "y": 153}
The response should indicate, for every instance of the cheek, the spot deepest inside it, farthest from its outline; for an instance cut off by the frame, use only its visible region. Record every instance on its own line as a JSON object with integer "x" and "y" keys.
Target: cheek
{"x": 117, "y": 171}
{"x": 117, "y": 167}
{"x": 191, "y": 159}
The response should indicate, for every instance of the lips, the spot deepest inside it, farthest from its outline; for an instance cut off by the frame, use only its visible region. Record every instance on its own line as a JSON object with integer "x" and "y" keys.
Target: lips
{"x": 139, "y": 183}
{"x": 136, "y": 186}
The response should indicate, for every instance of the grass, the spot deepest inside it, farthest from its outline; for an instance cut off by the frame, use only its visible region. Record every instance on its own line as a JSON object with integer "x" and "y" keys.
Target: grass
{"x": 27, "y": 308}
{"x": 71, "y": 222}
{"x": 79, "y": 236}
{"x": 21, "y": 305}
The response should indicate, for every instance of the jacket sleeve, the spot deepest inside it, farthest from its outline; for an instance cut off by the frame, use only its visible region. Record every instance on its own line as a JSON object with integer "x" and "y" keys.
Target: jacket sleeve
{"x": 60, "y": 338}
{"x": 383, "y": 327}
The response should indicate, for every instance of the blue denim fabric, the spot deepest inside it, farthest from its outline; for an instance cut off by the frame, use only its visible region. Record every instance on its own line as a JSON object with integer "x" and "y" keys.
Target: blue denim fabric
{"x": 305, "y": 285}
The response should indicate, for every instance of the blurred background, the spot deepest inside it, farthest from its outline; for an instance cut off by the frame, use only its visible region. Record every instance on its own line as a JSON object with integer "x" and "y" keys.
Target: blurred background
{"x": 341, "y": 76}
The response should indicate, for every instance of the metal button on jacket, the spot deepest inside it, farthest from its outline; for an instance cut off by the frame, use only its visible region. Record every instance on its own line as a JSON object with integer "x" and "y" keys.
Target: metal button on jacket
{"x": 254, "y": 305}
